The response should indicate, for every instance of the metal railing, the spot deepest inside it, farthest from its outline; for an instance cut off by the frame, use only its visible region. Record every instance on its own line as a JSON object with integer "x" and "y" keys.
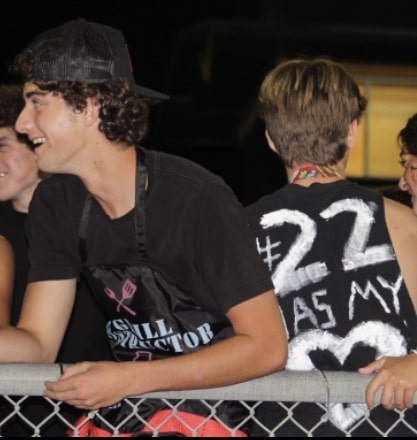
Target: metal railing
{"x": 313, "y": 403}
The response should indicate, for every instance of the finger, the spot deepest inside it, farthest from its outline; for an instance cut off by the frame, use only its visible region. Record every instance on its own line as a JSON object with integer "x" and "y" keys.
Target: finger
{"x": 409, "y": 398}
{"x": 65, "y": 396}
{"x": 72, "y": 370}
{"x": 398, "y": 399}
{"x": 373, "y": 386}
{"x": 61, "y": 386}
{"x": 79, "y": 404}
{"x": 57, "y": 386}
{"x": 387, "y": 397}
{"x": 372, "y": 367}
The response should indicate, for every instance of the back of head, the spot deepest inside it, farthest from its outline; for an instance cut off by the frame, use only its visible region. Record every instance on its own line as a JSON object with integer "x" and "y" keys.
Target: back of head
{"x": 407, "y": 137}
{"x": 308, "y": 105}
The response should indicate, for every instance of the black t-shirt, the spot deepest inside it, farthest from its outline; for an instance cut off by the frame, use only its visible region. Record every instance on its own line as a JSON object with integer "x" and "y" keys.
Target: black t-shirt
{"x": 335, "y": 272}
{"x": 85, "y": 338}
{"x": 196, "y": 233}
{"x": 12, "y": 226}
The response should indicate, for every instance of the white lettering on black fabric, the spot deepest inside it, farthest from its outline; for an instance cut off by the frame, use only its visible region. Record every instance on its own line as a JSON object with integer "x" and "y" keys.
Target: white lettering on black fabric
{"x": 157, "y": 335}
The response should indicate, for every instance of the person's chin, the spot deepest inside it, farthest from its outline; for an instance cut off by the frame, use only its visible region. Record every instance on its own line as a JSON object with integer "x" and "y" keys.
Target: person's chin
{"x": 42, "y": 163}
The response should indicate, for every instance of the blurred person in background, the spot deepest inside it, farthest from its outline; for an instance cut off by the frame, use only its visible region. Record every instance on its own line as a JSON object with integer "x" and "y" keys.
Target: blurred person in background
{"x": 407, "y": 140}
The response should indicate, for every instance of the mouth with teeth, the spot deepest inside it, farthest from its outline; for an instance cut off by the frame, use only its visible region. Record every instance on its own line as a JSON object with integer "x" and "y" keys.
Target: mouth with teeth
{"x": 37, "y": 142}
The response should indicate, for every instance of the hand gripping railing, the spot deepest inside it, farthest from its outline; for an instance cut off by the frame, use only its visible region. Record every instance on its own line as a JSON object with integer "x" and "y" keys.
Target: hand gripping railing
{"x": 306, "y": 386}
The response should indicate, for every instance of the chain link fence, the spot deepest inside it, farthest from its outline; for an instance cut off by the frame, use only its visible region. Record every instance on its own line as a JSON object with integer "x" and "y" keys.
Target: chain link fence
{"x": 287, "y": 403}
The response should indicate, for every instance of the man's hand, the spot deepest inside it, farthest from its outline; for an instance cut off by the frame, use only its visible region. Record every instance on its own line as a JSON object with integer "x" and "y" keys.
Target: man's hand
{"x": 397, "y": 377}
{"x": 90, "y": 385}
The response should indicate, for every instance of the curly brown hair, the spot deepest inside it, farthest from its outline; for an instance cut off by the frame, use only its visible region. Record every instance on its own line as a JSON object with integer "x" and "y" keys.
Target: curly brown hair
{"x": 12, "y": 103}
{"x": 124, "y": 113}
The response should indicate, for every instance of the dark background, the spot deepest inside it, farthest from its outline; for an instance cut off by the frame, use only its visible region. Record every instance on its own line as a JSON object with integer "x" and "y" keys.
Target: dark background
{"x": 210, "y": 57}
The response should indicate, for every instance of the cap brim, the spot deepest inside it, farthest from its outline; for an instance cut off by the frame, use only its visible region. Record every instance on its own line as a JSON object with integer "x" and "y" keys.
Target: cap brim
{"x": 152, "y": 94}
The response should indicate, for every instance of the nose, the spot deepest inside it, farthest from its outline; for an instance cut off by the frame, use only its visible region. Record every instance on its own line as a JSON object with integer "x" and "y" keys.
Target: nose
{"x": 23, "y": 124}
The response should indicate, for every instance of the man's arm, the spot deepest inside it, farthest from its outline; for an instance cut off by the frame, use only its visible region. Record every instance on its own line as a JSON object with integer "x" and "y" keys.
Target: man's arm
{"x": 259, "y": 347}
{"x": 45, "y": 313}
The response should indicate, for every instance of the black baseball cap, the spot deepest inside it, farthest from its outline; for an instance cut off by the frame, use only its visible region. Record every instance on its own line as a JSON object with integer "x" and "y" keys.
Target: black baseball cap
{"x": 81, "y": 50}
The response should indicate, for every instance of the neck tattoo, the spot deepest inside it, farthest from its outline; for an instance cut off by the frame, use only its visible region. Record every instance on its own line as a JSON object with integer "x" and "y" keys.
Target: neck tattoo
{"x": 311, "y": 171}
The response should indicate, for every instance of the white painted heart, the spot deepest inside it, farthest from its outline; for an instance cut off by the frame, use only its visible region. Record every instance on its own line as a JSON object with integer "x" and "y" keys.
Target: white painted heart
{"x": 385, "y": 339}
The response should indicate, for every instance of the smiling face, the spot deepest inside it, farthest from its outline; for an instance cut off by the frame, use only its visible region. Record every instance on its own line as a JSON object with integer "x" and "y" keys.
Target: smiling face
{"x": 56, "y": 130}
{"x": 19, "y": 174}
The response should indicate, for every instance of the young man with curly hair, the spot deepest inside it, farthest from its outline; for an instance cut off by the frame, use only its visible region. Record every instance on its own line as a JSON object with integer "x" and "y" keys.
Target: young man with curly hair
{"x": 163, "y": 243}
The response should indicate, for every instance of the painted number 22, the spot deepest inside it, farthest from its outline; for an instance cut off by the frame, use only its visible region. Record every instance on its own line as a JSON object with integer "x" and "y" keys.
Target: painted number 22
{"x": 288, "y": 276}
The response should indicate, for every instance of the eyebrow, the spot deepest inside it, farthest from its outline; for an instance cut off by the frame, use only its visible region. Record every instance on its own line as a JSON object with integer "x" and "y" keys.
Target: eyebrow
{"x": 35, "y": 93}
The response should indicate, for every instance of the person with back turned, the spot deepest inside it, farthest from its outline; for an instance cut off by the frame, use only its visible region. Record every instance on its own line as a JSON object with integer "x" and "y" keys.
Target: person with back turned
{"x": 341, "y": 256}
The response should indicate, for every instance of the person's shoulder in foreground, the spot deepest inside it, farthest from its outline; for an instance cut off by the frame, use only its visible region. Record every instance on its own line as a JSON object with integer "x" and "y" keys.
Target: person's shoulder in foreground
{"x": 335, "y": 249}
{"x": 86, "y": 117}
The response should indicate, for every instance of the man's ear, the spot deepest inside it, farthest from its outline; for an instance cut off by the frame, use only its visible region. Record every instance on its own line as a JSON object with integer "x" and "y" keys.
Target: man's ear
{"x": 352, "y": 133}
{"x": 270, "y": 142}
{"x": 91, "y": 111}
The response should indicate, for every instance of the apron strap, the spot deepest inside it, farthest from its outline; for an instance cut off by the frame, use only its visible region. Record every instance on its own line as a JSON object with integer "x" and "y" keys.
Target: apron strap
{"x": 140, "y": 196}
{"x": 139, "y": 210}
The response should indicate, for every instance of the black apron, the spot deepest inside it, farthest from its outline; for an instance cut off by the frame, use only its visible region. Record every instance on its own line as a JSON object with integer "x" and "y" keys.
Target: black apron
{"x": 150, "y": 317}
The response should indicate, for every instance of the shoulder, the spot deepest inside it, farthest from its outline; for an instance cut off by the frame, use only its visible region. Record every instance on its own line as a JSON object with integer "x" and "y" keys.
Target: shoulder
{"x": 60, "y": 188}
{"x": 6, "y": 207}
{"x": 267, "y": 202}
{"x": 400, "y": 218}
{"x": 402, "y": 225}
{"x": 60, "y": 196}
{"x": 184, "y": 185}
{"x": 402, "y": 228}
{"x": 56, "y": 181}
{"x": 179, "y": 169}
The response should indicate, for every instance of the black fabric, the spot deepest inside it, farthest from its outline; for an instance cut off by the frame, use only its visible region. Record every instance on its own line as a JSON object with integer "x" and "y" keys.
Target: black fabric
{"x": 339, "y": 284}
{"x": 12, "y": 226}
{"x": 150, "y": 317}
{"x": 196, "y": 234}
{"x": 85, "y": 338}
{"x": 81, "y": 50}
